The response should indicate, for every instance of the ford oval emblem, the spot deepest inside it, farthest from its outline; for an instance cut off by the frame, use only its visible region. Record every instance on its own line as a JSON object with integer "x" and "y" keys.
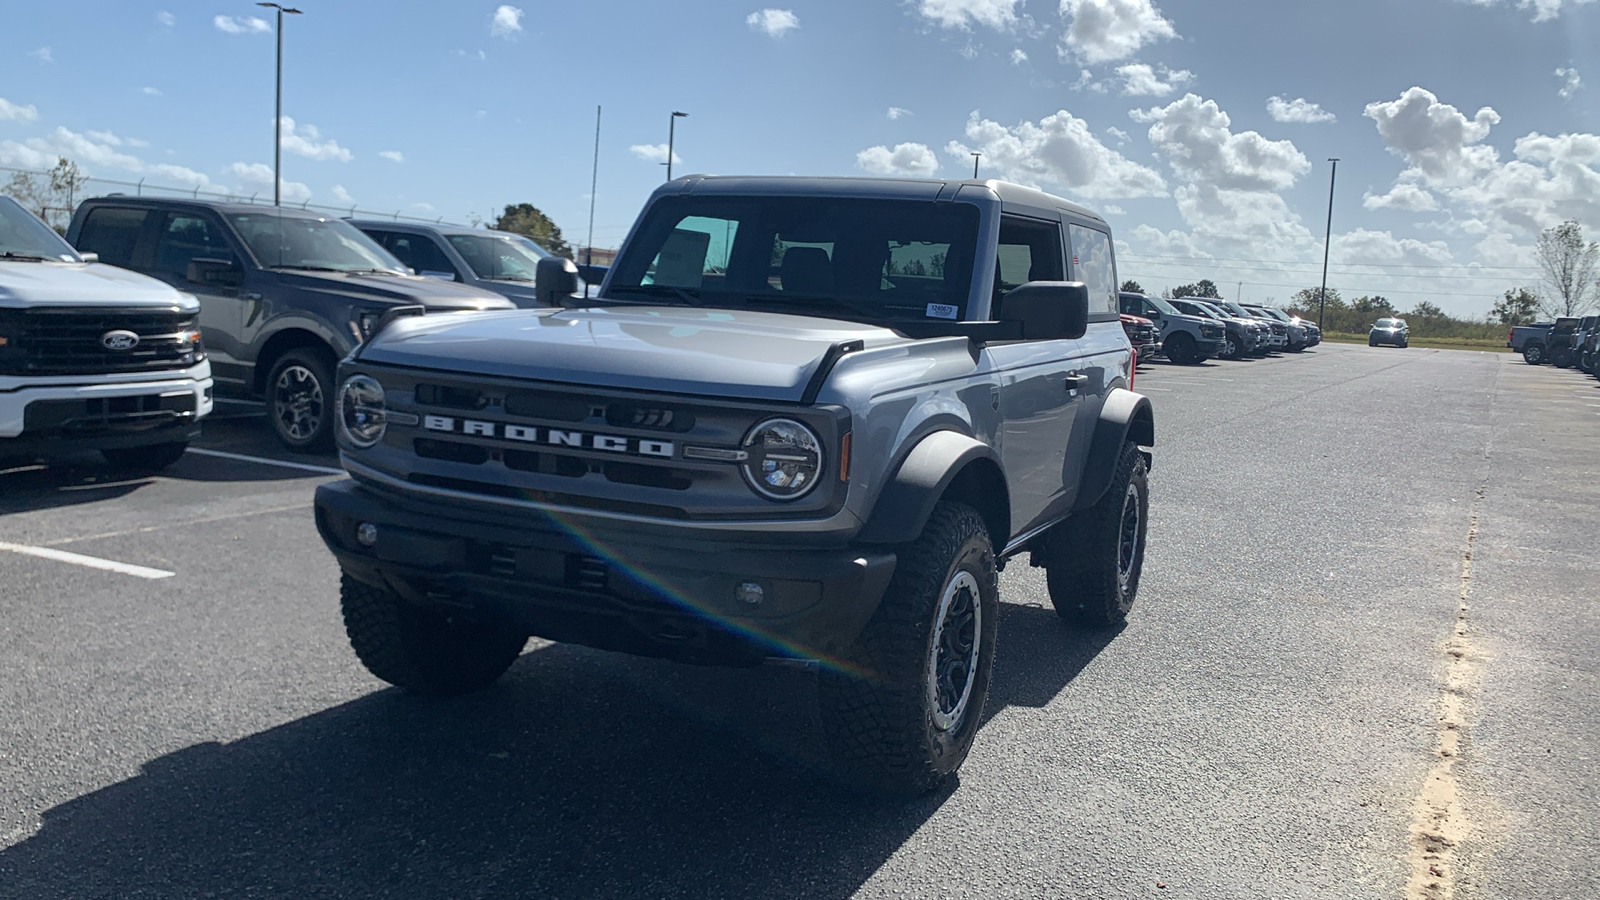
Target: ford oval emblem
{"x": 119, "y": 340}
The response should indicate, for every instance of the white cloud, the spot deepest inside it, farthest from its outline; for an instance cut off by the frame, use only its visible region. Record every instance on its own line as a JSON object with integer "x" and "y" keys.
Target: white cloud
{"x": 1018, "y": 57}
{"x": 1573, "y": 82}
{"x": 506, "y": 22}
{"x": 241, "y": 24}
{"x": 1298, "y": 110}
{"x": 423, "y": 207}
{"x": 166, "y": 18}
{"x": 104, "y": 137}
{"x": 997, "y": 14}
{"x": 9, "y": 110}
{"x": 343, "y": 196}
{"x": 98, "y": 149}
{"x": 656, "y": 153}
{"x": 896, "y": 112}
{"x": 1086, "y": 82}
{"x": 1140, "y": 80}
{"x": 258, "y": 177}
{"x": 1101, "y": 31}
{"x": 150, "y": 91}
{"x": 904, "y": 159}
{"x": 1121, "y": 136}
{"x": 1543, "y": 10}
{"x": 1405, "y": 196}
{"x": 1195, "y": 137}
{"x": 1111, "y": 209}
{"x": 1058, "y": 150}
{"x": 305, "y": 140}
{"x": 392, "y": 155}
{"x": 1436, "y": 138}
{"x": 42, "y": 55}
{"x": 773, "y": 22}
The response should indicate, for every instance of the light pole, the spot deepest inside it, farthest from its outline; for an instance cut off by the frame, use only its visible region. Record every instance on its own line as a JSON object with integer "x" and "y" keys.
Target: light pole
{"x": 277, "y": 119}
{"x": 975, "y": 158}
{"x": 672, "y": 125}
{"x": 1327, "y": 240}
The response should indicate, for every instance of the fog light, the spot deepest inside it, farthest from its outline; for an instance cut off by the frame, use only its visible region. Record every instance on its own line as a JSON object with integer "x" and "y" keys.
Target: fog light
{"x": 366, "y": 534}
{"x": 749, "y": 593}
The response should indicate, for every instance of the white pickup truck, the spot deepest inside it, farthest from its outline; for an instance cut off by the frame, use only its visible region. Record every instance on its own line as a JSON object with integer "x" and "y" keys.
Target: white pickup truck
{"x": 93, "y": 357}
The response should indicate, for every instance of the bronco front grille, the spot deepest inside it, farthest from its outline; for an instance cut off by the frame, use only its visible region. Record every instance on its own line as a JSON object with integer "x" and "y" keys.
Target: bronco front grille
{"x": 54, "y": 341}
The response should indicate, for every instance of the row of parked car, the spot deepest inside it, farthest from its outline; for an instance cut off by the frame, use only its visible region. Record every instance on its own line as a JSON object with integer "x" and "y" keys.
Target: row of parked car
{"x": 1569, "y": 341}
{"x": 1190, "y": 330}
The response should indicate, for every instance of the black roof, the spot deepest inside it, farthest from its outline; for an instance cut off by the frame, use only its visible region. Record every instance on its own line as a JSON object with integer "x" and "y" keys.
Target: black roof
{"x": 226, "y": 207}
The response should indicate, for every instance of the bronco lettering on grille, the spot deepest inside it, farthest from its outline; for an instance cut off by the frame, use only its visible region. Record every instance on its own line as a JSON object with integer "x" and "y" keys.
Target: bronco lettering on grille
{"x": 529, "y": 434}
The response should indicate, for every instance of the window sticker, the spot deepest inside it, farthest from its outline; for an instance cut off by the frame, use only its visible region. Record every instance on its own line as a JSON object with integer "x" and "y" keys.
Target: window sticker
{"x": 941, "y": 311}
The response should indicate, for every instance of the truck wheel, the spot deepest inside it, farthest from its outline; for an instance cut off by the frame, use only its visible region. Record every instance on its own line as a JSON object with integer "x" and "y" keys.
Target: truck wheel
{"x": 300, "y": 399}
{"x": 901, "y": 713}
{"x": 1561, "y": 358}
{"x": 1533, "y": 354}
{"x": 146, "y": 459}
{"x": 1586, "y": 362}
{"x": 1094, "y": 559}
{"x": 420, "y": 650}
{"x": 1230, "y": 348}
{"x": 1181, "y": 349}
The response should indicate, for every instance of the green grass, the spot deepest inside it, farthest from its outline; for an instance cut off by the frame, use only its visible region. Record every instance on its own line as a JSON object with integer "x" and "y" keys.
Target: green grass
{"x": 1439, "y": 343}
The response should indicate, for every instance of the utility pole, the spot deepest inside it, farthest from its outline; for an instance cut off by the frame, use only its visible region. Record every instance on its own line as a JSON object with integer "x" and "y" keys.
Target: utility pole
{"x": 277, "y": 118}
{"x": 1327, "y": 241}
{"x": 672, "y": 124}
{"x": 975, "y": 158}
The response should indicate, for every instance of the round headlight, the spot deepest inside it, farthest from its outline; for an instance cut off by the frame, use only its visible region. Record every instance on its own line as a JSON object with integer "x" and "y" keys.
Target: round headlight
{"x": 361, "y": 415}
{"x": 785, "y": 459}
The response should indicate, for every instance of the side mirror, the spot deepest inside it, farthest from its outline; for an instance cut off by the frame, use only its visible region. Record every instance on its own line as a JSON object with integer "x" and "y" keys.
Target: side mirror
{"x": 225, "y": 272}
{"x": 554, "y": 278}
{"x": 89, "y": 257}
{"x": 1048, "y": 310}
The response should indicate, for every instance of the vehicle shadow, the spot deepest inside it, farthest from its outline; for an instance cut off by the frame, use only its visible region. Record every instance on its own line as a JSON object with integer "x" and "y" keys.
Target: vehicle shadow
{"x": 581, "y": 774}
{"x": 26, "y": 488}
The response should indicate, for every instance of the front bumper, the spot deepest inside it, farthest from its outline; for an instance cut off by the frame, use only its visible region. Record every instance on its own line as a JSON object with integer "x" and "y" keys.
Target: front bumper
{"x": 56, "y": 415}
{"x": 670, "y": 595}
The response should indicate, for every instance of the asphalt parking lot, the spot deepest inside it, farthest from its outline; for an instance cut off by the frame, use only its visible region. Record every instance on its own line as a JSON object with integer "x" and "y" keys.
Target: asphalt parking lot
{"x": 1362, "y": 662}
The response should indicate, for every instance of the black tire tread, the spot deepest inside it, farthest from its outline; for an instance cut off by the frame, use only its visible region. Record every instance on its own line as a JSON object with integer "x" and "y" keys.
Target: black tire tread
{"x": 1081, "y": 569}
{"x": 873, "y": 719}
{"x": 421, "y": 651}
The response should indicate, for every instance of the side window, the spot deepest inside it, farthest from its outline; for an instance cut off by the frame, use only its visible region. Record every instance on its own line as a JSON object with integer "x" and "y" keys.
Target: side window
{"x": 1030, "y": 250}
{"x": 1092, "y": 265}
{"x": 185, "y": 237}
{"x": 420, "y": 253}
{"x": 112, "y": 232}
{"x": 695, "y": 254}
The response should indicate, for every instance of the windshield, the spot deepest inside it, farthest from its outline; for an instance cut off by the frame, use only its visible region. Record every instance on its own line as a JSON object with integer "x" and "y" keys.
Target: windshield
{"x": 871, "y": 259}
{"x": 503, "y": 257}
{"x": 1164, "y": 306}
{"x": 23, "y": 236}
{"x": 305, "y": 242}
{"x": 1388, "y": 323}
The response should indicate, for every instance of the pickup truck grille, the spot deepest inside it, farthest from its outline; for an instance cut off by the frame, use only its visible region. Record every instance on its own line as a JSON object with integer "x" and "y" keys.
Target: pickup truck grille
{"x": 54, "y": 341}
{"x": 1209, "y": 330}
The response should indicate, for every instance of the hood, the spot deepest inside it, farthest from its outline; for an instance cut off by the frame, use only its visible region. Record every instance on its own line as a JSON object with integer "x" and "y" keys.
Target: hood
{"x": 432, "y": 293}
{"x": 709, "y": 352}
{"x": 24, "y": 284}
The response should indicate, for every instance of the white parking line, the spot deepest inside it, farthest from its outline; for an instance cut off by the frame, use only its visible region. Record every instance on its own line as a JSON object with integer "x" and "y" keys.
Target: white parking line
{"x": 240, "y": 457}
{"x": 92, "y": 562}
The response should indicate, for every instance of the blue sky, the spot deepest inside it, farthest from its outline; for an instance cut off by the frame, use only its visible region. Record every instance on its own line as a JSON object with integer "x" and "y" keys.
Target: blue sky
{"x": 1458, "y": 137}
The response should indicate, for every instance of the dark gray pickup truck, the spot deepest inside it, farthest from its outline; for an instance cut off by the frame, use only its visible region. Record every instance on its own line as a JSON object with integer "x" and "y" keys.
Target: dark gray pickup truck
{"x": 803, "y": 418}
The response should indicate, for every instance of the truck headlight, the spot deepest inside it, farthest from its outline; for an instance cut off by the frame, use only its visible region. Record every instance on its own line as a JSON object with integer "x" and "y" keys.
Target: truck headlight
{"x": 361, "y": 413}
{"x": 785, "y": 459}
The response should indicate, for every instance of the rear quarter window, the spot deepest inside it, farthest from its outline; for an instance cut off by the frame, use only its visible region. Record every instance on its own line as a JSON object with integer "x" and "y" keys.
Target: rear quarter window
{"x": 1092, "y": 265}
{"x": 112, "y": 232}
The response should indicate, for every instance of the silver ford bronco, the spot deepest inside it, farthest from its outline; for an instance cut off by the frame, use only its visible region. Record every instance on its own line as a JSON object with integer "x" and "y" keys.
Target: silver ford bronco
{"x": 803, "y": 418}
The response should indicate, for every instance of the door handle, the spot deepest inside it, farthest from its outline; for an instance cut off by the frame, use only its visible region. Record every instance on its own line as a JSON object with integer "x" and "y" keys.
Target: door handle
{"x": 1077, "y": 382}
{"x": 252, "y": 296}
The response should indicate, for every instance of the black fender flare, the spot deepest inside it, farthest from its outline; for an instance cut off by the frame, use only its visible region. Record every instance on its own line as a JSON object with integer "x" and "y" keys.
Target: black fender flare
{"x": 927, "y": 472}
{"x": 1126, "y": 416}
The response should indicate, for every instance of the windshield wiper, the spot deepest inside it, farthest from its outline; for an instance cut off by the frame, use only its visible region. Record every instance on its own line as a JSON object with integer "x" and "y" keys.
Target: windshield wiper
{"x": 309, "y": 268}
{"x": 372, "y": 271}
{"x": 678, "y": 296}
{"x": 23, "y": 257}
{"x": 803, "y": 301}
{"x": 510, "y": 278}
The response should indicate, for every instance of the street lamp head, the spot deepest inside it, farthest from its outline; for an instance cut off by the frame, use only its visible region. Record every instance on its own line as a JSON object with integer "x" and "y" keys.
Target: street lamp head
{"x": 288, "y": 10}
{"x": 680, "y": 115}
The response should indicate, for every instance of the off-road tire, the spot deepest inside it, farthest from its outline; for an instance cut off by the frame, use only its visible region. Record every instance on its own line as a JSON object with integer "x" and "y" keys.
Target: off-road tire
{"x": 1561, "y": 358}
{"x": 1533, "y": 354}
{"x": 1181, "y": 349}
{"x": 879, "y": 709}
{"x": 146, "y": 459}
{"x": 423, "y": 651}
{"x": 1093, "y": 574}
{"x": 309, "y": 370}
{"x": 1231, "y": 349}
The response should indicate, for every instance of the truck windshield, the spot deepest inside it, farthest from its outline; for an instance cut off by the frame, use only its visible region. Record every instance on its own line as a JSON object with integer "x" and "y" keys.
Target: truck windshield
{"x": 501, "y": 257}
{"x": 878, "y": 260}
{"x": 24, "y": 237}
{"x": 312, "y": 242}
